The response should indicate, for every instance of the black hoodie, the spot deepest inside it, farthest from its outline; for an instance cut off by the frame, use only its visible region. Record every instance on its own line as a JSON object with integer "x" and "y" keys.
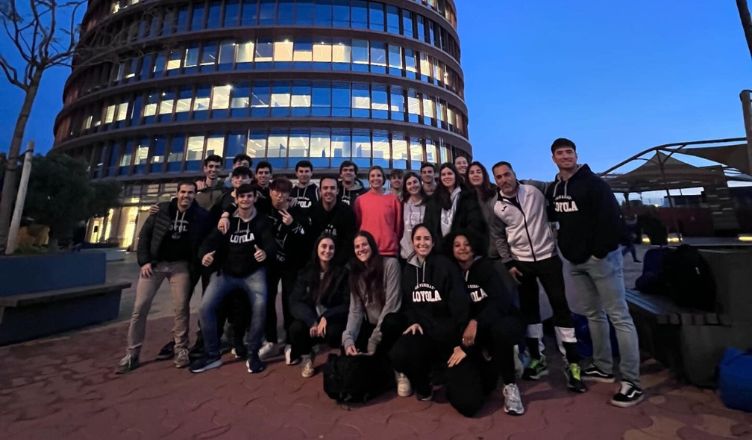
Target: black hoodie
{"x": 235, "y": 250}
{"x": 159, "y": 228}
{"x": 435, "y": 296}
{"x": 590, "y": 221}
{"x": 348, "y": 196}
{"x": 334, "y": 302}
{"x": 489, "y": 296}
{"x": 293, "y": 240}
{"x": 339, "y": 223}
{"x": 304, "y": 198}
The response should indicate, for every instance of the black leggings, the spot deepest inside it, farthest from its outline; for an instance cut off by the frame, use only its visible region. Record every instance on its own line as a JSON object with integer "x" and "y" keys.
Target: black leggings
{"x": 302, "y": 342}
{"x": 274, "y": 275}
{"x": 466, "y": 385}
{"x": 499, "y": 339}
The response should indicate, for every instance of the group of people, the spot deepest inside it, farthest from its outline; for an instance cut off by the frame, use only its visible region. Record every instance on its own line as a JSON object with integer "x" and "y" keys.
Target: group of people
{"x": 438, "y": 275}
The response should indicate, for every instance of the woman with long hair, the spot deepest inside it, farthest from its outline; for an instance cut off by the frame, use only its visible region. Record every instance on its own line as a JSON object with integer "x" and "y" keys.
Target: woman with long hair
{"x": 479, "y": 180}
{"x": 461, "y": 163}
{"x": 436, "y": 305}
{"x": 318, "y": 306}
{"x": 495, "y": 324}
{"x": 451, "y": 208}
{"x": 373, "y": 324}
{"x": 384, "y": 214}
{"x": 413, "y": 211}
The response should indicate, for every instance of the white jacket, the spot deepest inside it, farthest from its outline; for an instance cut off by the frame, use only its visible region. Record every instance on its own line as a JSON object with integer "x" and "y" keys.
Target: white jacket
{"x": 528, "y": 233}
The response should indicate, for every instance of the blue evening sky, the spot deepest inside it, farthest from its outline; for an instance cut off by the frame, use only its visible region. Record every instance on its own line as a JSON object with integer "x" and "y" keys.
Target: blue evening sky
{"x": 615, "y": 77}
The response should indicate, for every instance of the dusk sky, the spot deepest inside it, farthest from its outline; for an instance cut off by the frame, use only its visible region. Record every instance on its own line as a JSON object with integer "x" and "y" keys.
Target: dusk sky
{"x": 615, "y": 77}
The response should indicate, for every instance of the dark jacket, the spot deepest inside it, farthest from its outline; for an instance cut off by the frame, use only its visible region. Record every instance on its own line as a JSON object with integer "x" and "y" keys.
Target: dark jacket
{"x": 434, "y": 295}
{"x": 348, "y": 196}
{"x": 490, "y": 299}
{"x": 234, "y": 250}
{"x": 590, "y": 221}
{"x": 336, "y": 300}
{"x": 293, "y": 241}
{"x": 304, "y": 198}
{"x": 339, "y": 223}
{"x": 226, "y": 203}
{"x": 158, "y": 225}
{"x": 468, "y": 217}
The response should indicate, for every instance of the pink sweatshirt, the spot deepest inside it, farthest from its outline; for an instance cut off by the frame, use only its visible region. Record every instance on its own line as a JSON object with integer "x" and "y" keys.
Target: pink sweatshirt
{"x": 381, "y": 215}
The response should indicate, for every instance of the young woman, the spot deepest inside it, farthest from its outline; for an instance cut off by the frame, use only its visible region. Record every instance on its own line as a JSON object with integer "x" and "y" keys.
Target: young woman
{"x": 372, "y": 323}
{"x": 486, "y": 193}
{"x": 461, "y": 163}
{"x": 451, "y": 209}
{"x": 318, "y": 305}
{"x": 413, "y": 211}
{"x": 380, "y": 214}
{"x": 436, "y": 305}
{"x": 495, "y": 325}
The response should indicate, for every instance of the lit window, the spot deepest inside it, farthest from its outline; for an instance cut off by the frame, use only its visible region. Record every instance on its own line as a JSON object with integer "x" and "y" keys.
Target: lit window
{"x": 122, "y": 111}
{"x": 176, "y": 56}
{"x": 221, "y": 97}
{"x": 360, "y": 96}
{"x": 322, "y": 52}
{"x": 142, "y": 152}
{"x": 413, "y": 103}
{"x": 166, "y": 105}
{"x": 431, "y": 152}
{"x": 416, "y": 153}
{"x": 215, "y": 145}
{"x": 425, "y": 65}
{"x": 245, "y": 52}
{"x": 303, "y": 51}
{"x": 380, "y": 145}
{"x": 428, "y": 107}
{"x": 256, "y": 145}
{"x": 109, "y": 114}
{"x": 280, "y": 97}
{"x": 191, "y": 57}
{"x": 277, "y": 145}
{"x": 283, "y": 50}
{"x": 301, "y": 96}
{"x": 399, "y": 148}
{"x": 299, "y": 144}
{"x": 320, "y": 144}
{"x": 195, "y": 148}
{"x": 341, "y": 52}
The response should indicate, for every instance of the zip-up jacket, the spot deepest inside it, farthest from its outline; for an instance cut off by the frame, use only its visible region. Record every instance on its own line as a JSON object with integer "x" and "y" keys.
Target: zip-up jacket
{"x": 263, "y": 201}
{"x": 490, "y": 299}
{"x": 527, "y": 232}
{"x": 332, "y": 304}
{"x": 434, "y": 295}
{"x": 590, "y": 221}
{"x": 293, "y": 242}
{"x": 468, "y": 217}
{"x": 235, "y": 250}
{"x": 339, "y": 223}
{"x": 348, "y": 196}
{"x": 158, "y": 225}
{"x": 304, "y": 198}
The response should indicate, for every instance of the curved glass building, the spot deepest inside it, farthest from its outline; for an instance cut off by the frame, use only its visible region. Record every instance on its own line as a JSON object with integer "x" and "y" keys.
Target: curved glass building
{"x": 375, "y": 82}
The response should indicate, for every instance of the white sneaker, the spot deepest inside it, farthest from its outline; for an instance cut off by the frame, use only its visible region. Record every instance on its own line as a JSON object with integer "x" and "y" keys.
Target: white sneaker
{"x": 513, "y": 400}
{"x": 268, "y": 350}
{"x": 307, "y": 369}
{"x": 288, "y": 356}
{"x": 404, "y": 389}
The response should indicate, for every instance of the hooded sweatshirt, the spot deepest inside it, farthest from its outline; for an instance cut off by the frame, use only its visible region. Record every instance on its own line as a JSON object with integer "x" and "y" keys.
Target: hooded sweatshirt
{"x": 163, "y": 236}
{"x": 348, "y": 196}
{"x": 339, "y": 223}
{"x": 590, "y": 221}
{"x": 304, "y": 198}
{"x": 374, "y": 312}
{"x": 293, "y": 240}
{"x": 489, "y": 297}
{"x": 235, "y": 250}
{"x": 434, "y": 295}
{"x": 333, "y": 303}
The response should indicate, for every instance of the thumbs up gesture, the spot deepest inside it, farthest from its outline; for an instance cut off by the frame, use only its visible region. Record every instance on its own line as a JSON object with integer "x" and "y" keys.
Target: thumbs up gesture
{"x": 259, "y": 255}
{"x": 208, "y": 259}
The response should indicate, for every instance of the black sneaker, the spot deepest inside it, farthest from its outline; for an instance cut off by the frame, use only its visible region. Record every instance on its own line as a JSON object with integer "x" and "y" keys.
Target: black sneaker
{"x": 596, "y": 374}
{"x": 254, "y": 364}
{"x": 537, "y": 369}
{"x": 574, "y": 378}
{"x": 629, "y": 395}
{"x": 197, "y": 351}
{"x": 167, "y": 352}
{"x": 205, "y": 364}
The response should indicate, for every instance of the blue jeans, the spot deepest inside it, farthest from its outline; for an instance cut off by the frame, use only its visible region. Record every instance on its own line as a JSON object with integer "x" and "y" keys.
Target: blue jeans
{"x": 219, "y": 287}
{"x": 600, "y": 284}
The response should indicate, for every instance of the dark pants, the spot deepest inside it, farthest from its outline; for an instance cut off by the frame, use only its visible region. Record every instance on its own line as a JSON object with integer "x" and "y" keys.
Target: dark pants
{"x": 288, "y": 276}
{"x": 416, "y": 355}
{"x": 302, "y": 343}
{"x": 391, "y": 329}
{"x": 499, "y": 339}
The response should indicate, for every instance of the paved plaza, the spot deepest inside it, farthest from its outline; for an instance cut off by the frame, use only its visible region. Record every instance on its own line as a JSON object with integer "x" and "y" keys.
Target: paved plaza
{"x": 64, "y": 387}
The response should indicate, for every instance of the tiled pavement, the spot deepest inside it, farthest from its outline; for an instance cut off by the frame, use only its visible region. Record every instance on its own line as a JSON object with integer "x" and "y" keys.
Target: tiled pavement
{"x": 65, "y": 387}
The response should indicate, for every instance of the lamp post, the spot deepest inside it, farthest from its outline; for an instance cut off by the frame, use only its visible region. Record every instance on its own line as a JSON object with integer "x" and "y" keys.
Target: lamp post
{"x": 15, "y": 221}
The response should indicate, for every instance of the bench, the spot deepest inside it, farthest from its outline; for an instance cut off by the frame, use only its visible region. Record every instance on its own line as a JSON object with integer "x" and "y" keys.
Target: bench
{"x": 691, "y": 342}
{"x": 31, "y": 315}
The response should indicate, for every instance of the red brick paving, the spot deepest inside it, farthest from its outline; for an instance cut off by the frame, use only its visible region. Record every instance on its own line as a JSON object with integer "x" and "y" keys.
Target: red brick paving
{"x": 66, "y": 388}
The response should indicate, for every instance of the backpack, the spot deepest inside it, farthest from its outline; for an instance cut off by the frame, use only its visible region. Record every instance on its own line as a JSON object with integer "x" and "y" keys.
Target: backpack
{"x": 735, "y": 379}
{"x": 688, "y": 279}
{"x": 355, "y": 379}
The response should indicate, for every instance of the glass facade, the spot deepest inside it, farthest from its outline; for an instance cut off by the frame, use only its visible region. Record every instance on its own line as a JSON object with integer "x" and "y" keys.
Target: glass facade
{"x": 375, "y": 82}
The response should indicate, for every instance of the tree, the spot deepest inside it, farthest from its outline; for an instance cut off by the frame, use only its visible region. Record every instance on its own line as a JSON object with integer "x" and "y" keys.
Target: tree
{"x": 43, "y": 39}
{"x": 746, "y": 22}
{"x": 61, "y": 195}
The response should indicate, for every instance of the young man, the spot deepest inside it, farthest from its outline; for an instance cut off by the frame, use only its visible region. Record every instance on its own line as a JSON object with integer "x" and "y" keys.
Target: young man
{"x": 240, "y": 160}
{"x": 528, "y": 249}
{"x": 226, "y": 203}
{"x": 240, "y": 256}
{"x": 305, "y": 193}
{"x": 210, "y": 188}
{"x": 427, "y": 177}
{"x": 350, "y": 187}
{"x": 333, "y": 217}
{"x": 590, "y": 230}
{"x": 289, "y": 228}
{"x": 263, "y": 179}
{"x": 395, "y": 182}
{"x": 167, "y": 249}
